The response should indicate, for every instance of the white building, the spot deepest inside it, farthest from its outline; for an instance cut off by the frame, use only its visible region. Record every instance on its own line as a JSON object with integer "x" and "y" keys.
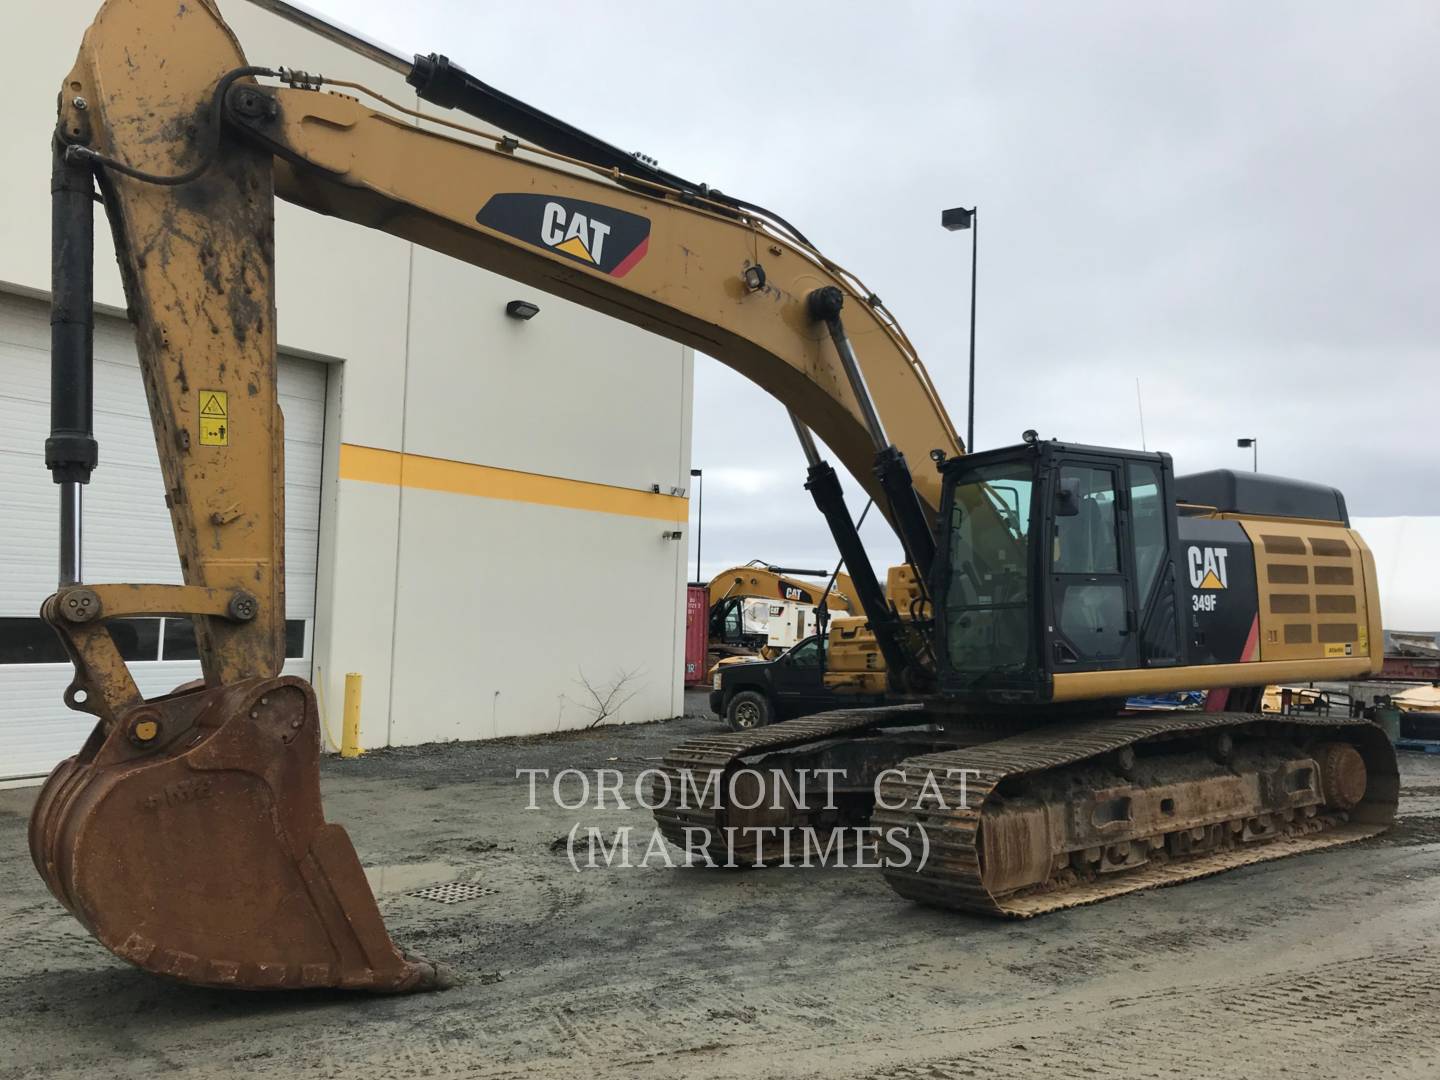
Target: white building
{"x": 531, "y": 555}
{"x": 1405, "y": 550}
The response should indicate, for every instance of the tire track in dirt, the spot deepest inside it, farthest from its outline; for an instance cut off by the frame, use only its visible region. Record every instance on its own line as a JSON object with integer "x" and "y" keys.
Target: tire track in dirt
{"x": 1361, "y": 1017}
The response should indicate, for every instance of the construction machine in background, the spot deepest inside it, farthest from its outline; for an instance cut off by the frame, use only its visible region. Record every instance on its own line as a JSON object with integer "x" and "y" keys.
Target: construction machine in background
{"x": 761, "y": 610}
{"x": 1044, "y": 583}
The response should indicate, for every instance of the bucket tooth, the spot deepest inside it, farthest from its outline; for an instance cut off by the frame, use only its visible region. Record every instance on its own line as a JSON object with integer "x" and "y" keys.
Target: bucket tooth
{"x": 194, "y": 846}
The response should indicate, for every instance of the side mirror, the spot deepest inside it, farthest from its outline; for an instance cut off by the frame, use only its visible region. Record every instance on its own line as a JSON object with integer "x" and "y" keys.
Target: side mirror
{"x": 1067, "y": 498}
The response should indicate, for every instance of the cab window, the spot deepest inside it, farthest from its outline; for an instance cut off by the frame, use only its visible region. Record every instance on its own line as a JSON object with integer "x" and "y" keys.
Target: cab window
{"x": 1147, "y": 523}
{"x": 732, "y": 619}
{"x": 1085, "y": 539}
{"x": 807, "y": 654}
{"x": 987, "y": 591}
{"x": 1090, "y": 607}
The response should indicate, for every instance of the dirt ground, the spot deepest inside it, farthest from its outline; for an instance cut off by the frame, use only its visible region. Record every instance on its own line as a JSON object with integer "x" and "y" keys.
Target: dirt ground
{"x": 1322, "y": 966}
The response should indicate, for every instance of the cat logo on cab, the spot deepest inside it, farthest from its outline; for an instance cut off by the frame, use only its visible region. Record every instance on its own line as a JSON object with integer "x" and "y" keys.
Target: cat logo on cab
{"x": 1207, "y": 572}
{"x": 600, "y": 237}
{"x": 1207, "y": 568}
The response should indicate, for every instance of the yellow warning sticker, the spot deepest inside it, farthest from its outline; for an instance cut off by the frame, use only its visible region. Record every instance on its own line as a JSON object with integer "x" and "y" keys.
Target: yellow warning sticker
{"x": 214, "y": 418}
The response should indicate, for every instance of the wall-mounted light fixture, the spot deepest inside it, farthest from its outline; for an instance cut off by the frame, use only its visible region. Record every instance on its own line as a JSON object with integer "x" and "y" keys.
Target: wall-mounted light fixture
{"x": 523, "y": 310}
{"x": 671, "y": 534}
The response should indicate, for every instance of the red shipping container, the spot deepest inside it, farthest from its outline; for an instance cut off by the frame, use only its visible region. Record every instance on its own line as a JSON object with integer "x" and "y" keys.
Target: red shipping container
{"x": 697, "y": 633}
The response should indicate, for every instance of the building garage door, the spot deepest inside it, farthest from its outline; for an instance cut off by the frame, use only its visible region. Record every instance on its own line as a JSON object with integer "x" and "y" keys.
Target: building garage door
{"x": 127, "y": 530}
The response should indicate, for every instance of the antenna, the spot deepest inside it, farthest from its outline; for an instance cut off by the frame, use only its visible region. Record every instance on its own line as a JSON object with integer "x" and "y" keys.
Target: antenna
{"x": 1140, "y": 404}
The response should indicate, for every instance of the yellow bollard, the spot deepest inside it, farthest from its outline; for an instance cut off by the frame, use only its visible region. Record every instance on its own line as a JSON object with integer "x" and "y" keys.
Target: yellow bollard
{"x": 350, "y": 735}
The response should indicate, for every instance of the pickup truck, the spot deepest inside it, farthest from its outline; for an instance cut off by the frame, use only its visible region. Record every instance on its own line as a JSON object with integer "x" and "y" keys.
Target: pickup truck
{"x": 760, "y": 692}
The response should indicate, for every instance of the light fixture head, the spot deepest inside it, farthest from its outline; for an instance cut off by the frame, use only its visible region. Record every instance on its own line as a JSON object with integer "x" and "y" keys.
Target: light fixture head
{"x": 1029, "y": 438}
{"x": 1244, "y": 444}
{"x": 523, "y": 310}
{"x": 697, "y": 472}
{"x": 754, "y": 276}
{"x": 957, "y": 218}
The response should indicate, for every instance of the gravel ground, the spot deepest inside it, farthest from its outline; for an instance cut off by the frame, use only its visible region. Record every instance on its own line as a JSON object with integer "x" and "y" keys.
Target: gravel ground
{"x": 1324, "y": 965}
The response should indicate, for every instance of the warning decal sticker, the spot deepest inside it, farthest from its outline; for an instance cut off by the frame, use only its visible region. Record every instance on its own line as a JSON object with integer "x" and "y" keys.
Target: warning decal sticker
{"x": 214, "y": 418}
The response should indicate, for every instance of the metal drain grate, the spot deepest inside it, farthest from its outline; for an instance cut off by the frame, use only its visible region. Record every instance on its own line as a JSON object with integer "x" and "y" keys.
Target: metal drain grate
{"x": 452, "y": 892}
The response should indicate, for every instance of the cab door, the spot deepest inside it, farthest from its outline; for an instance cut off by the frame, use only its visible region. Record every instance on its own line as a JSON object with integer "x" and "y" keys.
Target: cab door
{"x": 1150, "y": 513}
{"x": 1092, "y": 619}
{"x": 725, "y": 621}
{"x": 798, "y": 678}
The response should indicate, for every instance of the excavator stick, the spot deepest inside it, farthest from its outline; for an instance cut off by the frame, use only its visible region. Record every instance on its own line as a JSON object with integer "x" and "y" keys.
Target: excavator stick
{"x": 188, "y": 835}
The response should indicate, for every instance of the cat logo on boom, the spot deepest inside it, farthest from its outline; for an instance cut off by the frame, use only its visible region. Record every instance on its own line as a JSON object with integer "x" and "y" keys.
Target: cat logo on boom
{"x": 572, "y": 238}
{"x": 1207, "y": 568}
{"x": 600, "y": 237}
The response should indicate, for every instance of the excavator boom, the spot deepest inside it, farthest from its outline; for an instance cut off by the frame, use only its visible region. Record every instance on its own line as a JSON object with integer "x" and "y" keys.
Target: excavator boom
{"x": 141, "y": 833}
{"x": 779, "y": 583}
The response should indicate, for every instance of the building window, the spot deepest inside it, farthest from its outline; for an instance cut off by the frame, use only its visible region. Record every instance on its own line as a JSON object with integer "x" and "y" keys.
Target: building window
{"x": 30, "y": 640}
{"x": 180, "y": 639}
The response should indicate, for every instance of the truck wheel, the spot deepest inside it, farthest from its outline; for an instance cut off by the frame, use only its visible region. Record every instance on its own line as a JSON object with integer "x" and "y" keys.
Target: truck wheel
{"x": 748, "y": 710}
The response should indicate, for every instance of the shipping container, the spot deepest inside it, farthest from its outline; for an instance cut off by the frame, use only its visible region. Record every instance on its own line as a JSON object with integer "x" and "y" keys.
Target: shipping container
{"x": 697, "y": 633}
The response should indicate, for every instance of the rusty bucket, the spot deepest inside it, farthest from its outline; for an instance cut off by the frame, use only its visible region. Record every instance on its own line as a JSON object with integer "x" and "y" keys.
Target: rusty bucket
{"x": 190, "y": 841}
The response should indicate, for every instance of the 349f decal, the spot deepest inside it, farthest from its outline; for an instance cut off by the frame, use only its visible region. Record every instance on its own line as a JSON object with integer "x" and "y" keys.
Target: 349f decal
{"x": 600, "y": 237}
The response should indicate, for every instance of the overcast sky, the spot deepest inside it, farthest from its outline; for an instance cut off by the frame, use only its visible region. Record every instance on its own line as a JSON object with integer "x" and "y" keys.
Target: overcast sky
{"x": 1233, "y": 203}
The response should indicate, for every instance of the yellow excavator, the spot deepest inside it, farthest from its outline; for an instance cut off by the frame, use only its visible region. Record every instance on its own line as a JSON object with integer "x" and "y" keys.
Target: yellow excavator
{"x": 760, "y": 609}
{"x": 1047, "y": 581}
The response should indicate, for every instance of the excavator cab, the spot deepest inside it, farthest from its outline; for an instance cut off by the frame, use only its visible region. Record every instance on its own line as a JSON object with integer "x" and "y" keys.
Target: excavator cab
{"x": 1056, "y": 558}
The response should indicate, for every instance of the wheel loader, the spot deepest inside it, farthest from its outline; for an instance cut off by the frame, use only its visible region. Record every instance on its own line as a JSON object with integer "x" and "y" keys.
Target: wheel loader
{"x": 1047, "y": 581}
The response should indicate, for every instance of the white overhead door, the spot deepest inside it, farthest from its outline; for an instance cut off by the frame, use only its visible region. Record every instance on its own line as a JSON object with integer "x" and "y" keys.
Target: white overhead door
{"x": 127, "y": 534}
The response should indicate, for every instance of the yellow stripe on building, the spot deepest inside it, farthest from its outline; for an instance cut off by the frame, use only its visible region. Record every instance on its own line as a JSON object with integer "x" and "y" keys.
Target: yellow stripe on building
{"x": 372, "y": 466}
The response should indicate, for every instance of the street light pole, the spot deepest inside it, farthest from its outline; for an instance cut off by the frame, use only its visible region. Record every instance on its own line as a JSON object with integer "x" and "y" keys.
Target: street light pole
{"x": 962, "y": 218}
{"x": 1254, "y": 445}
{"x": 699, "y": 519}
{"x": 974, "y": 265}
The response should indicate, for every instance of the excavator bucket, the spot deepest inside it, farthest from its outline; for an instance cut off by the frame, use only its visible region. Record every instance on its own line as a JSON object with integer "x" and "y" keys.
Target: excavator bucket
{"x": 190, "y": 841}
